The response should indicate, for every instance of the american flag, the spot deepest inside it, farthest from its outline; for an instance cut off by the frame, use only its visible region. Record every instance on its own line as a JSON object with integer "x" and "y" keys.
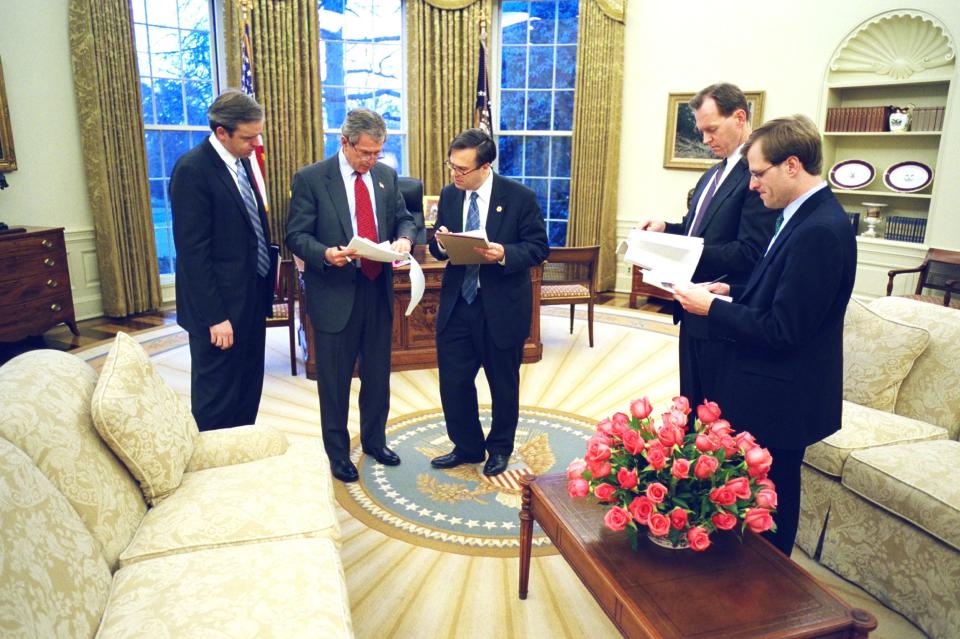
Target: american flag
{"x": 246, "y": 85}
{"x": 481, "y": 115}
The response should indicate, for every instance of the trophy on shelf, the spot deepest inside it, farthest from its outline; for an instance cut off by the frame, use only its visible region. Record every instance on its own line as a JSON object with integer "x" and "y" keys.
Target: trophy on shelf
{"x": 872, "y": 218}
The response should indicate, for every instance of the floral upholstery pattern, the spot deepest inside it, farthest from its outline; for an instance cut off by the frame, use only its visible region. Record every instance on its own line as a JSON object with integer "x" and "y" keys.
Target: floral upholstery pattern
{"x": 45, "y": 397}
{"x": 818, "y": 493}
{"x": 292, "y": 588}
{"x": 284, "y": 496}
{"x": 863, "y": 427}
{"x": 877, "y": 354}
{"x": 143, "y": 420}
{"x": 931, "y": 392}
{"x": 896, "y": 562}
{"x": 919, "y": 482}
{"x": 55, "y": 580}
{"x": 238, "y": 445}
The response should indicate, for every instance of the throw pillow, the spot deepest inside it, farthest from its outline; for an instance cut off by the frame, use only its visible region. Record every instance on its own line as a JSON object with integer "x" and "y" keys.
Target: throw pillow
{"x": 877, "y": 354}
{"x": 142, "y": 419}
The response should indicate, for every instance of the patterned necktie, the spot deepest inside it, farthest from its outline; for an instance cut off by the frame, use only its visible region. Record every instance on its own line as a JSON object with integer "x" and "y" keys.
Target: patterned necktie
{"x": 471, "y": 279}
{"x": 711, "y": 190}
{"x": 776, "y": 227}
{"x": 253, "y": 212}
{"x": 366, "y": 227}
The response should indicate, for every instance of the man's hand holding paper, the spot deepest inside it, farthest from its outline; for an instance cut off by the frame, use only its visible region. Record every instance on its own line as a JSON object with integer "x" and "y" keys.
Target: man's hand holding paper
{"x": 387, "y": 252}
{"x": 666, "y": 259}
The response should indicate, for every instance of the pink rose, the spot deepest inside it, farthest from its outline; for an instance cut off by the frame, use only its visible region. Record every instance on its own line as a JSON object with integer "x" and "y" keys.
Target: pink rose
{"x": 708, "y": 412}
{"x": 745, "y": 441}
{"x": 722, "y": 496}
{"x": 724, "y": 520}
{"x": 720, "y": 428}
{"x": 698, "y": 538}
{"x": 740, "y": 487}
{"x": 604, "y": 492}
{"x": 758, "y": 519}
{"x": 640, "y": 508}
{"x": 641, "y": 408}
{"x": 765, "y": 482}
{"x": 633, "y": 442}
{"x": 575, "y": 469}
{"x": 678, "y": 518}
{"x": 597, "y": 451}
{"x": 627, "y": 478}
{"x": 598, "y": 470}
{"x": 616, "y": 519}
{"x": 706, "y": 443}
{"x": 578, "y": 488}
{"x": 767, "y": 498}
{"x": 656, "y": 492}
{"x": 705, "y": 466}
{"x": 758, "y": 461}
{"x": 673, "y": 419}
{"x": 681, "y": 404}
{"x": 659, "y": 525}
{"x": 729, "y": 446}
{"x": 680, "y": 468}
{"x": 605, "y": 427}
{"x": 670, "y": 435}
{"x": 656, "y": 456}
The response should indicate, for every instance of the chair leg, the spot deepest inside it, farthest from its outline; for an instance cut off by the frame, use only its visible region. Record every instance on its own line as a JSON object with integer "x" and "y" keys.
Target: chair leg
{"x": 293, "y": 346}
{"x": 590, "y": 321}
{"x": 571, "y": 318}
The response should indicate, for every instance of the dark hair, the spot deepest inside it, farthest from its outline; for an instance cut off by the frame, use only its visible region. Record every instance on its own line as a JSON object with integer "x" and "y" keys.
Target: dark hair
{"x": 792, "y": 136}
{"x": 231, "y": 109}
{"x": 475, "y": 139}
{"x": 363, "y": 121}
{"x": 728, "y": 98}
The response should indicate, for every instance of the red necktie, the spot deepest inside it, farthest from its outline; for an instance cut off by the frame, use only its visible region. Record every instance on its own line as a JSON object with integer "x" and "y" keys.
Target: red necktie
{"x": 366, "y": 227}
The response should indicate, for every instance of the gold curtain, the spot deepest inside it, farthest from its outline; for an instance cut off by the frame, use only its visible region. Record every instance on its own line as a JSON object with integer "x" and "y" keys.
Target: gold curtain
{"x": 115, "y": 158}
{"x": 595, "y": 148}
{"x": 286, "y": 77}
{"x": 443, "y": 48}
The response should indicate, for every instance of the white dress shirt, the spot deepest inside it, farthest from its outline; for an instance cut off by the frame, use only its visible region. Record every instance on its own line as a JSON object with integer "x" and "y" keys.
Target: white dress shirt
{"x": 347, "y": 173}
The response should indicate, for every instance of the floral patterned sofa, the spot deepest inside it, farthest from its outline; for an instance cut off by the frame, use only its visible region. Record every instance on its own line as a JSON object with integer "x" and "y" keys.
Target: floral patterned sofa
{"x": 881, "y": 497}
{"x": 119, "y": 519}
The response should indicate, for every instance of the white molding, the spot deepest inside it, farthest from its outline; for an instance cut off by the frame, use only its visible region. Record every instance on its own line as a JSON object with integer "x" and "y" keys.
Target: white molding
{"x": 84, "y": 272}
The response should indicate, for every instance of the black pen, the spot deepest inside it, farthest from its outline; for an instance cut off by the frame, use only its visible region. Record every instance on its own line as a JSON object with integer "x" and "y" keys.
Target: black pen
{"x": 346, "y": 257}
{"x": 719, "y": 279}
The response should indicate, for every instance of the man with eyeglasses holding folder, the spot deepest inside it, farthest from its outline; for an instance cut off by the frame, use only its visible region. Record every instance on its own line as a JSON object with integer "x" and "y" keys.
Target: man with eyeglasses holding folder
{"x": 485, "y": 309}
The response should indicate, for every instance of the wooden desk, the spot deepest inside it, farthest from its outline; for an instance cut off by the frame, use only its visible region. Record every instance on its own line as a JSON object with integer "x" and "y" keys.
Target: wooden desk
{"x": 414, "y": 337}
{"x": 731, "y": 590}
{"x": 638, "y": 288}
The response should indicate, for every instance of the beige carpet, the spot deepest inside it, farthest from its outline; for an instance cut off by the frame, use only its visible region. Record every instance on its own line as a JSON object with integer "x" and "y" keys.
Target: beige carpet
{"x": 402, "y": 590}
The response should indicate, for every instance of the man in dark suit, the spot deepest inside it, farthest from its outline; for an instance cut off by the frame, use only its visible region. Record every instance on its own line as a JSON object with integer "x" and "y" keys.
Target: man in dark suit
{"x": 223, "y": 286}
{"x": 350, "y": 300}
{"x": 784, "y": 330}
{"x": 485, "y": 309}
{"x": 731, "y": 219}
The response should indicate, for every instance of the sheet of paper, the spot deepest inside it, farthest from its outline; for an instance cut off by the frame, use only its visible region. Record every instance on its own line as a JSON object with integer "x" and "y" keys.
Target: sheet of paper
{"x": 459, "y": 246}
{"x": 666, "y": 259}
{"x": 369, "y": 250}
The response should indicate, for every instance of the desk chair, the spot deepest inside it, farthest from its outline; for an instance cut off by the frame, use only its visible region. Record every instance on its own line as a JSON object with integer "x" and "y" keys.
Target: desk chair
{"x": 940, "y": 271}
{"x": 570, "y": 277}
{"x": 412, "y": 191}
{"x": 284, "y": 298}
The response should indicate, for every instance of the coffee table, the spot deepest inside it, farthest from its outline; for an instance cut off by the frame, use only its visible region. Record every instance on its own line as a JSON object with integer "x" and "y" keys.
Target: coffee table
{"x": 730, "y": 590}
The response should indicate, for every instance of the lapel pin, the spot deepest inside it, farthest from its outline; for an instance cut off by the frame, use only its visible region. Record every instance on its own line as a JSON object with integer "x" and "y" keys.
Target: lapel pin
{"x": 499, "y": 209}
{"x": 381, "y": 185}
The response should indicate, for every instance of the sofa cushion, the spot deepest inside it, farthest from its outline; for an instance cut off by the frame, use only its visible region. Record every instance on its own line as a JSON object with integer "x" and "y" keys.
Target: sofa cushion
{"x": 877, "y": 355}
{"x": 289, "y": 495}
{"x": 931, "y": 391}
{"x": 863, "y": 427}
{"x": 920, "y": 482}
{"x": 236, "y": 445}
{"x": 143, "y": 420}
{"x": 292, "y": 588}
{"x": 55, "y": 579}
{"x": 45, "y": 399}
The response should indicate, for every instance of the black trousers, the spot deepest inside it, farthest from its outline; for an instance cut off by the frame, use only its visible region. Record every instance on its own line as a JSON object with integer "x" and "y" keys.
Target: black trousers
{"x": 463, "y": 347}
{"x": 701, "y": 368}
{"x": 225, "y": 386}
{"x": 785, "y": 474}
{"x": 367, "y": 337}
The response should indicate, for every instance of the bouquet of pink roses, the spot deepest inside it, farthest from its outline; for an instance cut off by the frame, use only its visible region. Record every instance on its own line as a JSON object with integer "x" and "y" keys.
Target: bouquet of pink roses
{"x": 681, "y": 484}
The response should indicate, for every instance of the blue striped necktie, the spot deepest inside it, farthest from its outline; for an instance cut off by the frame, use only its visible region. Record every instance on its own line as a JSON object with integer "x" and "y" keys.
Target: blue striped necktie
{"x": 471, "y": 279}
{"x": 253, "y": 211}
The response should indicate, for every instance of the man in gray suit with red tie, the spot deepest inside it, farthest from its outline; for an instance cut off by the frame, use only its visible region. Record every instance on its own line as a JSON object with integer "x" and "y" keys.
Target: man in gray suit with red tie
{"x": 350, "y": 300}
{"x": 731, "y": 219}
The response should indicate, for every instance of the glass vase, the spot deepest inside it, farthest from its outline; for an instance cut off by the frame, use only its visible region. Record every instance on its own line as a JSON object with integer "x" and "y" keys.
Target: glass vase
{"x": 665, "y": 542}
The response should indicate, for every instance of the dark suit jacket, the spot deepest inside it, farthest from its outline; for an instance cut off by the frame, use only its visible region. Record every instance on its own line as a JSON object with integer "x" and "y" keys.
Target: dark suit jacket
{"x": 784, "y": 381}
{"x": 320, "y": 218}
{"x": 513, "y": 220}
{"x": 216, "y": 245}
{"x": 735, "y": 231}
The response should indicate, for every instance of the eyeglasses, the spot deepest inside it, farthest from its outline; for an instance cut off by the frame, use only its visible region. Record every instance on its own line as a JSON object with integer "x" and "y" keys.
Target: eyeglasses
{"x": 756, "y": 175}
{"x": 364, "y": 155}
{"x": 459, "y": 170}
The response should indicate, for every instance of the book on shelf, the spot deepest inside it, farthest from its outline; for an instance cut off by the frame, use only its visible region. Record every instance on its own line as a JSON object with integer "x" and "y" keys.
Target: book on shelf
{"x": 874, "y": 119}
{"x": 905, "y": 229}
{"x": 854, "y": 222}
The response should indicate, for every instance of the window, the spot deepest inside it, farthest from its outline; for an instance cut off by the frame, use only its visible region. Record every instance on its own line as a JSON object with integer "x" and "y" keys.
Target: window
{"x": 534, "y": 119}
{"x": 361, "y": 65}
{"x": 175, "y": 56}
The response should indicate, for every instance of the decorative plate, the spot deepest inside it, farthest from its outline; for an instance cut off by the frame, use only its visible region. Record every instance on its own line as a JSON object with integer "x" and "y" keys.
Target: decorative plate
{"x": 907, "y": 177}
{"x": 852, "y": 174}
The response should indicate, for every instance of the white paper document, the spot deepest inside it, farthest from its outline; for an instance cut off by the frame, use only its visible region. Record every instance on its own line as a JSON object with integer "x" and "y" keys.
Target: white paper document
{"x": 459, "y": 246}
{"x": 369, "y": 250}
{"x": 667, "y": 260}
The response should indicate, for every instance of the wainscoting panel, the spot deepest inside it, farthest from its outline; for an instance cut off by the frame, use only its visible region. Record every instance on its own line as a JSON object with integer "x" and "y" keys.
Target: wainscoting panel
{"x": 84, "y": 272}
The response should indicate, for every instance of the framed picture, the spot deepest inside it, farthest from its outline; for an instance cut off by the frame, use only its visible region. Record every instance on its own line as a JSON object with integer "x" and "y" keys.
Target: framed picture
{"x": 430, "y": 204}
{"x": 684, "y": 148}
{"x": 8, "y": 161}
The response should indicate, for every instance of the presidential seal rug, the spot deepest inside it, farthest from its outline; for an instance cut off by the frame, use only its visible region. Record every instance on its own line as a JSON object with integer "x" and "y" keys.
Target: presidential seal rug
{"x": 460, "y": 509}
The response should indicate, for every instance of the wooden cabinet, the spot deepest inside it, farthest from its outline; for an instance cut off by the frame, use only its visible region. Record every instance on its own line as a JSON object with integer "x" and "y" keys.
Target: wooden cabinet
{"x": 34, "y": 283}
{"x": 638, "y": 289}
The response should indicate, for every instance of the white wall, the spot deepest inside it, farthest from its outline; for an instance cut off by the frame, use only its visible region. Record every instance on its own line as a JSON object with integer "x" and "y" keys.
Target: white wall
{"x": 777, "y": 47}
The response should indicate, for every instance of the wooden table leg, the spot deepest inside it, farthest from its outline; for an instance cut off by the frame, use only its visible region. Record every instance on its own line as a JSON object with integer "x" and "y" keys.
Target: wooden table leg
{"x": 863, "y": 623}
{"x": 526, "y": 535}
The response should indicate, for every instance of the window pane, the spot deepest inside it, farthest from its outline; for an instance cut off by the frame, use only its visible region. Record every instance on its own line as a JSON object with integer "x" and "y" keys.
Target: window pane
{"x": 199, "y": 96}
{"x": 563, "y": 111}
{"x": 164, "y": 52}
{"x": 194, "y": 14}
{"x": 559, "y": 199}
{"x": 566, "y": 66}
{"x": 195, "y": 54}
{"x": 537, "y": 156}
{"x": 513, "y": 22}
{"x": 511, "y": 110}
{"x": 567, "y": 13}
{"x": 162, "y": 12}
{"x": 513, "y": 72}
{"x": 154, "y": 163}
{"x": 557, "y": 232}
{"x": 541, "y": 67}
{"x": 334, "y": 107}
{"x": 331, "y": 144}
{"x": 560, "y": 156}
{"x": 146, "y": 99}
{"x": 510, "y": 155}
{"x": 538, "y": 110}
{"x": 169, "y": 96}
{"x": 393, "y": 152}
{"x": 542, "y": 22}
{"x": 173, "y": 144}
{"x": 539, "y": 187}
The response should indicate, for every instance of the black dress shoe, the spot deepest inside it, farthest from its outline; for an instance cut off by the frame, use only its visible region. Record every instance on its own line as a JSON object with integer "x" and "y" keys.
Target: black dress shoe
{"x": 344, "y": 470}
{"x": 496, "y": 464}
{"x": 383, "y": 455}
{"x": 452, "y": 460}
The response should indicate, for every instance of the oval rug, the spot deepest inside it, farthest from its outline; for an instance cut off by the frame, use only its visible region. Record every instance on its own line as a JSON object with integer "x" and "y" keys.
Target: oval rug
{"x": 459, "y": 510}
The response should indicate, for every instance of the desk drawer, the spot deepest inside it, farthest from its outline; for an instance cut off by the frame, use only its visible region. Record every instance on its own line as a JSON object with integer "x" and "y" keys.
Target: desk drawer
{"x": 32, "y": 253}
{"x": 35, "y": 316}
{"x": 36, "y": 286}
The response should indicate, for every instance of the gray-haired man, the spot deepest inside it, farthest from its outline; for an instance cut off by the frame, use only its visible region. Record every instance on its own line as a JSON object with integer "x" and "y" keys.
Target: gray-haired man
{"x": 350, "y": 301}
